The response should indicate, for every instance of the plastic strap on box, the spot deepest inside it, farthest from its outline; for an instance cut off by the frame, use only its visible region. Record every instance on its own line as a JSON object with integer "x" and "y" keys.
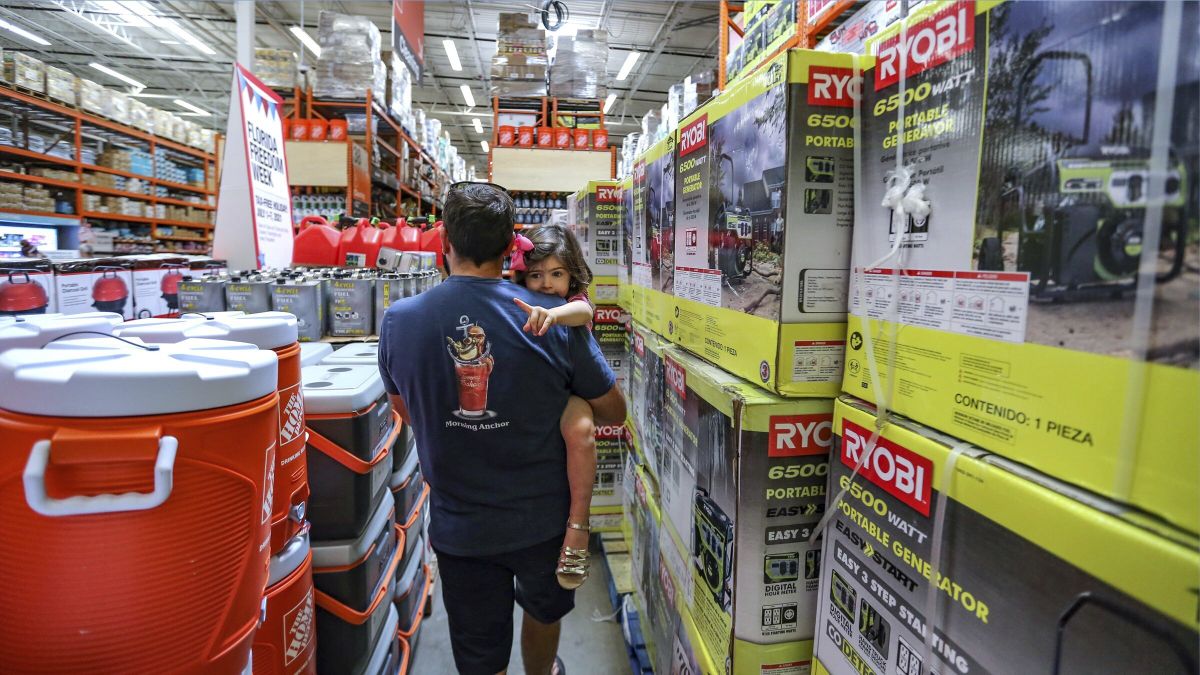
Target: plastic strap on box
{"x": 935, "y": 555}
{"x": 419, "y": 613}
{"x": 418, "y": 509}
{"x": 902, "y": 198}
{"x": 339, "y": 454}
{"x": 1160, "y": 141}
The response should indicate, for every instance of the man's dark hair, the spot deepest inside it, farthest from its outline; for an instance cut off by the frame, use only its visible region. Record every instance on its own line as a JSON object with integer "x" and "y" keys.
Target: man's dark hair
{"x": 479, "y": 222}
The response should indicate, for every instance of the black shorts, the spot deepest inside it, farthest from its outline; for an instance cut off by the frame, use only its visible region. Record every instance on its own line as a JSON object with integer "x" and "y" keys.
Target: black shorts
{"x": 479, "y": 592}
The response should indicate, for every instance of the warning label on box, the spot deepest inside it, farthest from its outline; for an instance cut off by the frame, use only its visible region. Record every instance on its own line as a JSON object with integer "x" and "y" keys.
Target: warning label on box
{"x": 642, "y": 275}
{"x": 698, "y": 285}
{"x": 817, "y": 360}
{"x": 993, "y": 305}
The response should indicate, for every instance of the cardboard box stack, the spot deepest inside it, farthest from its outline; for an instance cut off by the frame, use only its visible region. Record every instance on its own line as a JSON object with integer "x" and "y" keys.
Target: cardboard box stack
{"x": 276, "y": 67}
{"x": 520, "y": 64}
{"x": 25, "y": 71}
{"x": 580, "y": 66}
{"x": 350, "y": 63}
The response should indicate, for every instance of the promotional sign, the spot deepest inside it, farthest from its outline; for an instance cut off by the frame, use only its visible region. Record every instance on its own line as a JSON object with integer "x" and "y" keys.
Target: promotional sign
{"x": 254, "y": 212}
{"x": 408, "y": 34}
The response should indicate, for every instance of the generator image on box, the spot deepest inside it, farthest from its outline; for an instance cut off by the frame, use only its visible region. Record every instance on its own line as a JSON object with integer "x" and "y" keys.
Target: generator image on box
{"x": 1024, "y": 162}
{"x": 1034, "y": 575}
{"x": 764, "y": 202}
{"x": 742, "y": 484}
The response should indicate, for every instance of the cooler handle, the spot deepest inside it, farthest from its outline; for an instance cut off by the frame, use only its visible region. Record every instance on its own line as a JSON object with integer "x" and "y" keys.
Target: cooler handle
{"x": 35, "y": 486}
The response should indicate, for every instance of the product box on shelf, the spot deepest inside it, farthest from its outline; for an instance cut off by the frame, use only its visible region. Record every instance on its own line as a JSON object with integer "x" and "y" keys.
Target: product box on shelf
{"x": 118, "y": 107}
{"x": 156, "y": 280}
{"x": 1012, "y": 301}
{"x": 62, "y": 85}
{"x": 770, "y": 26}
{"x": 652, "y": 227}
{"x": 27, "y": 286}
{"x": 93, "y": 97}
{"x": 25, "y": 71}
{"x": 644, "y": 394}
{"x": 94, "y": 284}
{"x": 597, "y": 226}
{"x": 1034, "y": 575}
{"x": 764, "y": 191}
{"x": 743, "y": 484}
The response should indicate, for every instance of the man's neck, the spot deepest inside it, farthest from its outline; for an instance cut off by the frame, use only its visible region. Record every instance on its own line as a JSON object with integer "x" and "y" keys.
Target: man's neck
{"x": 467, "y": 268}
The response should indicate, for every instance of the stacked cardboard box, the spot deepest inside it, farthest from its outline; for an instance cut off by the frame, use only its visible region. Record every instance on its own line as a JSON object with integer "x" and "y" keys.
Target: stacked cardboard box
{"x": 520, "y": 64}
{"x": 276, "y": 67}
{"x": 25, "y": 71}
{"x": 580, "y": 66}
{"x": 62, "y": 85}
{"x": 350, "y": 63}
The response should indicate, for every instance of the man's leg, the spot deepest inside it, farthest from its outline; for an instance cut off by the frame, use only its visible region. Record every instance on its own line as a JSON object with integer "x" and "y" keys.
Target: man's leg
{"x": 539, "y": 644}
{"x": 478, "y": 596}
{"x": 544, "y": 601}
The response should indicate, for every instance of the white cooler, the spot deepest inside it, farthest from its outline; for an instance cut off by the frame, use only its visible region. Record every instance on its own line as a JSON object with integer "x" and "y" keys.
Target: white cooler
{"x": 355, "y": 354}
{"x": 33, "y": 331}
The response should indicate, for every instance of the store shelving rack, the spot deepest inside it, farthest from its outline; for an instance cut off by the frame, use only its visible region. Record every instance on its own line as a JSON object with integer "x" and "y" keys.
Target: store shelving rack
{"x": 549, "y": 111}
{"x": 383, "y": 135}
{"x": 814, "y": 18}
{"x": 21, "y": 109}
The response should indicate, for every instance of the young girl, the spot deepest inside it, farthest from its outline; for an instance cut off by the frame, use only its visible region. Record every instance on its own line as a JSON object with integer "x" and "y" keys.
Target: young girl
{"x": 550, "y": 261}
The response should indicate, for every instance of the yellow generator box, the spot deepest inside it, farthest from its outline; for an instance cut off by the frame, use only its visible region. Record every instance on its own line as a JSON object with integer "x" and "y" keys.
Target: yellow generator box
{"x": 764, "y": 199}
{"x": 996, "y": 296}
{"x": 594, "y": 215}
{"x": 1033, "y": 576}
{"x": 743, "y": 485}
{"x": 648, "y": 250}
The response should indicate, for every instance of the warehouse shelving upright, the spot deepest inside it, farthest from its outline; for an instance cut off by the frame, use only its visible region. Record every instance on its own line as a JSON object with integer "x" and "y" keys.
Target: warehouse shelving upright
{"x": 814, "y": 18}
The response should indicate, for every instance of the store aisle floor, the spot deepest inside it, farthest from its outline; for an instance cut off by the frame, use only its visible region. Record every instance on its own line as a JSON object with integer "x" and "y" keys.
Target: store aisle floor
{"x": 586, "y": 646}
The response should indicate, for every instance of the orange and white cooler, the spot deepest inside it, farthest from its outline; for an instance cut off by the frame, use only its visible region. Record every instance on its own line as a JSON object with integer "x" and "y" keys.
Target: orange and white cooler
{"x": 351, "y": 428}
{"x": 355, "y": 581}
{"x": 135, "y": 504}
{"x": 286, "y": 642}
{"x": 33, "y": 331}
{"x": 276, "y": 331}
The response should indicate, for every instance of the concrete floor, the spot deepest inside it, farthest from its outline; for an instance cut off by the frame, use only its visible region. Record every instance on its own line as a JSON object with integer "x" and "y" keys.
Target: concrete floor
{"x": 586, "y": 647}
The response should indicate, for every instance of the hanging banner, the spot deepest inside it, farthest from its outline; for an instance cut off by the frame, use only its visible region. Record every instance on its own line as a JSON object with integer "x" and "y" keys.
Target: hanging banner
{"x": 254, "y": 210}
{"x": 408, "y": 34}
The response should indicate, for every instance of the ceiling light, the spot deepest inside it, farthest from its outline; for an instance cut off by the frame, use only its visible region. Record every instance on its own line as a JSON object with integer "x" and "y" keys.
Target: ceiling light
{"x": 23, "y": 33}
{"x": 196, "y": 109}
{"x": 486, "y": 147}
{"x": 608, "y": 102}
{"x": 145, "y": 9}
{"x": 628, "y": 65}
{"x": 307, "y": 40}
{"x": 452, "y": 54}
{"x": 114, "y": 74}
{"x": 478, "y": 125}
{"x": 468, "y": 96}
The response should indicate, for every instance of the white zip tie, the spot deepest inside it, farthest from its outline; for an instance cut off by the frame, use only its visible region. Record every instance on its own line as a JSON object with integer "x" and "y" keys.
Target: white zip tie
{"x": 935, "y": 556}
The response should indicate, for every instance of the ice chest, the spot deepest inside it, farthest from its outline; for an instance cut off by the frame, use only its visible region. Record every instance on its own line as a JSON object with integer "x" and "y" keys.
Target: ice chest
{"x": 286, "y": 643}
{"x": 355, "y": 354}
{"x": 312, "y": 353}
{"x": 391, "y": 652}
{"x": 275, "y": 331}
{"x": 405, "y": 443}
{"x": 162, "y": 492}
{"x": 34, "y": 332}
{"x": 411, "y": 582}
{"x": 351, "y": 427}
{"x": 348, "y": 638}
{"x": 407, "y": 485}
{"x": 416, "y": 524}
{"x": 349, "y": 572}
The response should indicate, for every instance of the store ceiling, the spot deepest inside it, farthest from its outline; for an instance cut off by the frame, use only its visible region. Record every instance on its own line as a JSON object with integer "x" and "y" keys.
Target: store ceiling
{"x": 675, "y": 39}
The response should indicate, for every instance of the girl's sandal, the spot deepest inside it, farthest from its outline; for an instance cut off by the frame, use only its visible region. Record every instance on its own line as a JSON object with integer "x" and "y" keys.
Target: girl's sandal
{"x": 573, "y": 567}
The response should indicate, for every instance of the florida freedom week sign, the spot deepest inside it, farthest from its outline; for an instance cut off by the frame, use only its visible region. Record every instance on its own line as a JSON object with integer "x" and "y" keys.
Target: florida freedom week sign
{"x": 254, "y": 211}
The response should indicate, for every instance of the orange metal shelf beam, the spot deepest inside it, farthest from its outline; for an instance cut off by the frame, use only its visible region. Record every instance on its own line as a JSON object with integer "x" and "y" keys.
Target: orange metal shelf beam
{"x": 805, "y": 36}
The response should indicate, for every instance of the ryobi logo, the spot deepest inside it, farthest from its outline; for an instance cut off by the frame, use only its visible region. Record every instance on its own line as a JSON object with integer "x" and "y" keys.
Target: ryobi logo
{"x": 639, "y": 172}
{"x": 608, "y": 315}
{"x": 676, "y": 377}
{"x": 901, "y": 472}
{"x": 611, "y": 431}
{"x": 798, "y": 435}
{"x": 608, "y": 194}
{"x": 936, "y": 40}
{"x": 694, "y": 136}
{"x": 833, "y": 87}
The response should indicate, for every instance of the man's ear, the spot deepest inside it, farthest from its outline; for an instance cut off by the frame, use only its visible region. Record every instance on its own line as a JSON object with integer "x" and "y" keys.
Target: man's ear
{"x": 509, "y": 249}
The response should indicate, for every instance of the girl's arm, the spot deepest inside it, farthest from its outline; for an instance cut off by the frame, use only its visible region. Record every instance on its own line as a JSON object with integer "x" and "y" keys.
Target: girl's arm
{"x": 574, "y": 313}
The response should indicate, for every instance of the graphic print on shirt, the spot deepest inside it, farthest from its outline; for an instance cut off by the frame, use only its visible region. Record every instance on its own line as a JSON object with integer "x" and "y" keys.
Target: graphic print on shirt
{"x": 473, "y": 364}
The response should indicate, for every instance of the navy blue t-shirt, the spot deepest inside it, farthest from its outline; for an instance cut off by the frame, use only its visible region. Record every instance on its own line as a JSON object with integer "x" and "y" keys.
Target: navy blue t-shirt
{"x": 485, "y": 400}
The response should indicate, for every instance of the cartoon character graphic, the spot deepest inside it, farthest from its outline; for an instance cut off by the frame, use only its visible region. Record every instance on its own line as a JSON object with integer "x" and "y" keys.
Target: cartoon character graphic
{"x": 473, "y": 364}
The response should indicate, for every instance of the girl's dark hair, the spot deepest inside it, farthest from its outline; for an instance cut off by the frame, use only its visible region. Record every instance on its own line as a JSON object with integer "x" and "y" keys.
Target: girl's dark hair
{"x": 558, "y": 241}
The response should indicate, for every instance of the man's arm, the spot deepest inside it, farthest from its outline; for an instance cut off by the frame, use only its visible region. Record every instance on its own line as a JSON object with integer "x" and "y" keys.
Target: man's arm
{"x": 399, "y": 407}
{"x": 609, "y": 408}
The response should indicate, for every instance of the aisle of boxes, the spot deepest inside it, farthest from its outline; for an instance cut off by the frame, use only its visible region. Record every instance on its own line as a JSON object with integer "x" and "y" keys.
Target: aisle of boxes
{"x": 1028, "y": 502}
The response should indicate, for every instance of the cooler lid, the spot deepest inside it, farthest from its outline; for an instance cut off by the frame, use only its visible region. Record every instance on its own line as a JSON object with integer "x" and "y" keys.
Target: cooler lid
{"x": 384, "y": 643}
{"x": 358, "y": 353}
{"x": 342, "y": 552}
{"x": 406, "y": 470}
{"x": 290, "y": 558}
{"x": 105, "y": 377}
{"x": 312, "y": 353}
{"x": 33, "y": 331}
{"x": 267, "y": 330}
{"x": 408, "y": 576}
{"x": 340, "y": 389}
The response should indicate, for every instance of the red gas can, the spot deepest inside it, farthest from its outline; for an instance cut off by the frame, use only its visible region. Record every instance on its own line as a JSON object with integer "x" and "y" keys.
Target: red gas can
{"x": 359, "y": 246}
{"x": 317, "y": 243}
{"x": 431, "y": 241}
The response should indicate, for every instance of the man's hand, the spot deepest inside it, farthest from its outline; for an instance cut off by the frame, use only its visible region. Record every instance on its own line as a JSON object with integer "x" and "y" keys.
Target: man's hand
{"x": 540, "y": 319}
